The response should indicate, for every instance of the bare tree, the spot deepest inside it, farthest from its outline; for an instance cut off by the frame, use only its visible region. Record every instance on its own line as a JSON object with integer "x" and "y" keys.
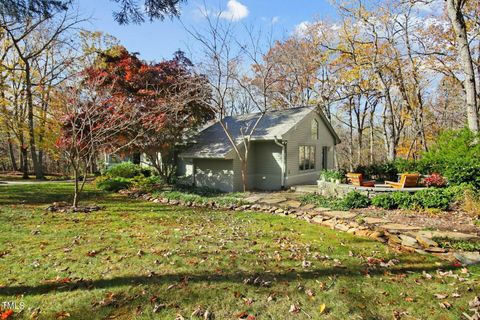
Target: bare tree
{"x": 223, "y": 65}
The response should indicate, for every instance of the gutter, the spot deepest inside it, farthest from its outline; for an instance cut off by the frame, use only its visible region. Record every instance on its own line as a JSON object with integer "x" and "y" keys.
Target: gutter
{"x": 283, "y": 160}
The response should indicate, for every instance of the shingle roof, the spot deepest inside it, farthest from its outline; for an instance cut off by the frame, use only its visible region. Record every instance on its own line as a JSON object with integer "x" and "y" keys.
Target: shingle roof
{"x": 212, "y": 142}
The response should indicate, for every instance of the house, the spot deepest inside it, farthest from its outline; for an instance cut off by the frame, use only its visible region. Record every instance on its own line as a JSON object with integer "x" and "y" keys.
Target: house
{"x": 288, "y": 147}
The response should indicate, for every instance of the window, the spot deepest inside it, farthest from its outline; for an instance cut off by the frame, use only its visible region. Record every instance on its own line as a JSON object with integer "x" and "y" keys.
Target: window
{"x": 324, "y": 157}
{"x": 314, "y": 130}
{"x": 306, "y": 158}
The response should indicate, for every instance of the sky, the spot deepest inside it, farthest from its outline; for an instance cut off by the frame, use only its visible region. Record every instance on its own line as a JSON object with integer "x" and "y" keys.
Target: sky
{"x": 159, "y": 40}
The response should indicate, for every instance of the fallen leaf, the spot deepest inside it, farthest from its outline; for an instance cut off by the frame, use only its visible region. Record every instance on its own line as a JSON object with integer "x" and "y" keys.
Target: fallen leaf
{"x": 294, "y": 309}
{"x": 62, "y": 315}
{"x": 310, "y": 293}
{"x": 92, "y": 253}
{"x": 440, "y": 296}
{"x": 445, "y": 305}
{"x": 158, "y": 307}
{"x": 6, "y": 314}
{"x": 322, "y": 308}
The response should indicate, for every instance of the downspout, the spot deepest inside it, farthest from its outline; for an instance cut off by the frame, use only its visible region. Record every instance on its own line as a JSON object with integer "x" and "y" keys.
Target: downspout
{"x": 283, "y": 160}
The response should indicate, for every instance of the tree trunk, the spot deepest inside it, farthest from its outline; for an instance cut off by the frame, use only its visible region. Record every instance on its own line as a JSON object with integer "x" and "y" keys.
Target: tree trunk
{"x": 24, "y": 161}
{"x": 388, "y": 121}
{"x": 31, "y": 124}
{"x": 455, "y": 14}
{"x": 359, "y": 146}
{"x": 350, "y": 132}
{"x": 76, "y": 190}
{"x": 372, "y": 138}
{"x": 12, "y": 154}
{"x": 244, "y": 175}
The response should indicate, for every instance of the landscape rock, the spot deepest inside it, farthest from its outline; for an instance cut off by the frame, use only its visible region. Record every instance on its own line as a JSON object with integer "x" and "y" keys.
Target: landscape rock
{"x": 435, "y": 250}
{"x": 468, "y": 258}
{"x": 372, "y": 220}
{"x": 408, "y": 241}
{"x": 341, "y": 214}
{"x": 274, "y": 200}
{"x": 394, "y": 239}
{"x": 341, "y": 227}
{"x": 426, "y": 242}
{"x": 448, "y": 235}
{"x": 292, "y": 204}
{"x": 392, "y": 227}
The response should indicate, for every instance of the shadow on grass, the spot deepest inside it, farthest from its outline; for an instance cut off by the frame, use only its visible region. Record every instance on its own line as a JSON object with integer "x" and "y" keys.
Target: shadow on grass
{"x": 39, "y": 194}
{"x": 237, "y": 277}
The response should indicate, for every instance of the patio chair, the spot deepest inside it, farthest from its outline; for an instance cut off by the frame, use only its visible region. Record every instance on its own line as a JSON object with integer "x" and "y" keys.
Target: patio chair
{"x": 407, "y": 180}
{"x": 356, "y": 179}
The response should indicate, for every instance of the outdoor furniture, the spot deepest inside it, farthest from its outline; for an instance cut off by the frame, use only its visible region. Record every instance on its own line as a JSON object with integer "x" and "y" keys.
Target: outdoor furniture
{"x": 407, "y": 180}
{"x": 356, "y": 179}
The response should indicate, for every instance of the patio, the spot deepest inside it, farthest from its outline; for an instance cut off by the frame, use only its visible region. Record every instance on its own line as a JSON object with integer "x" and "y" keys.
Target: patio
{"x": 331, "y": 189}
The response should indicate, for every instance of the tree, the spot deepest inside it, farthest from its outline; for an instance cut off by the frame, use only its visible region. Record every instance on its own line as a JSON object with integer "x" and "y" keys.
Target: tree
{"x": 457, "y": 19}
{"x": 224, "y": 56}
{"x": 90, "y": 123}
{"x": 169, "y": 99}
{"x": 32, "y": 41}
{"x": 131, "y": 11}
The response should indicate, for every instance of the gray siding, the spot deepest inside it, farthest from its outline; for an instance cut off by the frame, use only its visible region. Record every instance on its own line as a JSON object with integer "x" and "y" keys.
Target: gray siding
{"x": 214, "y": 173}
{"x": 265, "y": 166}
{"x": 300, "y": 135}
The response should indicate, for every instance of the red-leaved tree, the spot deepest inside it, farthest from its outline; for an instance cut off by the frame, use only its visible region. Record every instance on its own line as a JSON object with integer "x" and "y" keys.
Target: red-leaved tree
{"x": 169, "y": 101}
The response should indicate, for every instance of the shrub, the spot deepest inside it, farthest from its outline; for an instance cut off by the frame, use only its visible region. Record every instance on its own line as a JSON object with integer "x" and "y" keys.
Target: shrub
{"x": 114, "y": 184}
{"x": 471, "y": 203}
{"x": 317, "y": 200}
{"x": 403, "y": 200}
{"x": 458, "y": 244}
{"x": 464, "y": 171}
{"x": 385, "y": 201}
{"x": 386, "y": 171}
{"x": 148, "y": 184}
{"x": 352, "y": 200}
{"x": 127, "y": 170}
{"x": 329, "y": 175}
{"x": 435, "y": 180}
{"x": 455, "y": 155}
{"x": 432, "y": 198}
{"x": 221, "y": 200}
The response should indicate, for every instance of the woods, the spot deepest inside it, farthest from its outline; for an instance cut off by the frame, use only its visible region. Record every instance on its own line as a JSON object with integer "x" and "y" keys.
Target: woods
{"x": 389, "y": 76}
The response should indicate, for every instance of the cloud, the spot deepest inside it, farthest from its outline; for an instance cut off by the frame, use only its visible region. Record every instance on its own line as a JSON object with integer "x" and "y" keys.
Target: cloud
{"x": 275, "y": 19}
{"x": 301, "y": 28}
{"x": 235, "y": 11}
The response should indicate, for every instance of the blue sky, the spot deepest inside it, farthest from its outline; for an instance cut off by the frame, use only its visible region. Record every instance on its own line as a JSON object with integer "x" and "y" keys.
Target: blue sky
{"x": 158, "y": 40}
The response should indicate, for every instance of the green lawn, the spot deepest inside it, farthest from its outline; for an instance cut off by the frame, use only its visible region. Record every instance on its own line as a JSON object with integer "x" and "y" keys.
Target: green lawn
{"x": 122, "y": 261}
